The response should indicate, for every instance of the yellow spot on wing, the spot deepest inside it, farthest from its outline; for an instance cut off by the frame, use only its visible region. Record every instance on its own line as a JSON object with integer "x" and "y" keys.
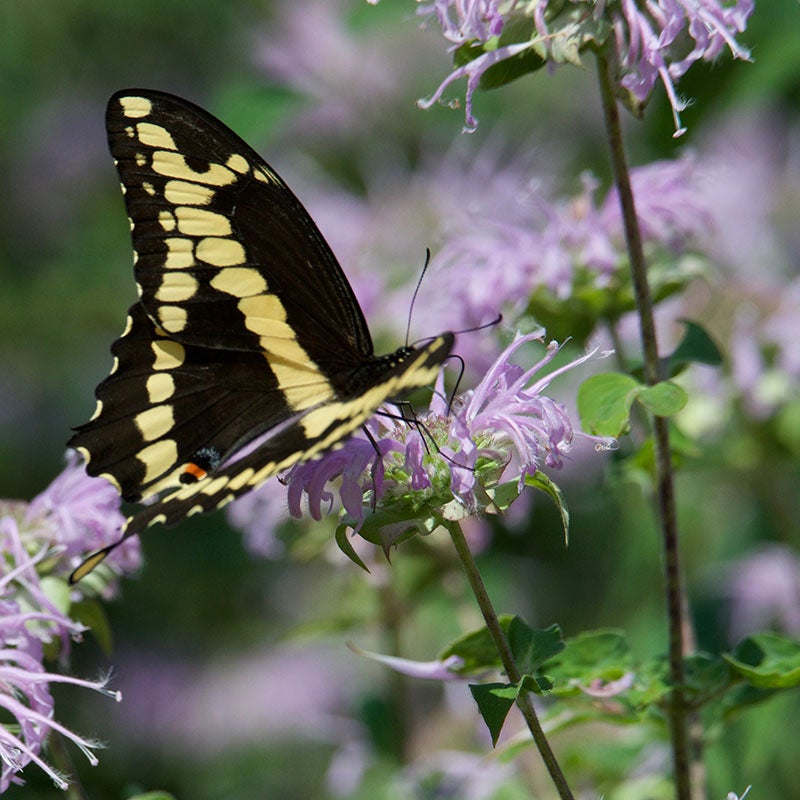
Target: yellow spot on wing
{"x": 160, "y": 386}
{"x": 167, "y": 354}
{"x": 200, "y": 222}
{"x": 238, "y": 163}
{"x": 176, "y": 286}
{"x": 154, "y": 422}
{"x": 180, "y": 253}
{"x": 183, "y": 193}
{"x": 173, "y": 318}
{"x": 220, "y": 252}
{"x": 135, "y": 106}
{"x": 154, "y": 135}
{"x": 167, "y": 220}
{"x": 239, "y": 282}
{"x": 157, "y": 458}
{"x": 262, "y": 312}
{"x": 107, "y": 475}
{"x": 173, "y": 165}
{"x": 97, "y": 411}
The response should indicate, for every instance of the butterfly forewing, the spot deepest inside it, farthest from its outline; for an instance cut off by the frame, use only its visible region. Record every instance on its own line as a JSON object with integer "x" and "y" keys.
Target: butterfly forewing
{"x": 225, "y": 254}
{"x": 247, "y": 351}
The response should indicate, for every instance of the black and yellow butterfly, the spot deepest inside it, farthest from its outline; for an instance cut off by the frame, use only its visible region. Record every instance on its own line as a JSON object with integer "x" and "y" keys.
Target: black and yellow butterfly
{"x": 247, "y": 351}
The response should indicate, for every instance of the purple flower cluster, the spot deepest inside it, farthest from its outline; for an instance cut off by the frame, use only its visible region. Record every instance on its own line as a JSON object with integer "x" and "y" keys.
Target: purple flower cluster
{"x": 656, "y": 40}
{"x": 40, "y": 542}
{"x": 497, "y": 252}
{"x": 505, "y": 425}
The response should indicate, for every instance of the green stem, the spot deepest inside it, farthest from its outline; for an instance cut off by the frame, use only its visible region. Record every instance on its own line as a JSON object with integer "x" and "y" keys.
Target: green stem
{"x": 524, "y": 702}
{"x": 677, "y": 611}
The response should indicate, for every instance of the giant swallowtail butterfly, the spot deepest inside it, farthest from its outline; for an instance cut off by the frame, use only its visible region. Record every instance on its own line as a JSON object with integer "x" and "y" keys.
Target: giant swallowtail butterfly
{"x": 247, "y": 351}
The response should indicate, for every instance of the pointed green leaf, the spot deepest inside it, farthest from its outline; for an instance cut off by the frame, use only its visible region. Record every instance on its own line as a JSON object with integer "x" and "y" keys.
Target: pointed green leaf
{"x": 695, "y": 346}
{"x": 532, "y": 647}
{"x": 540, "y": 481}
{"x": 767, "y": 661}
{"x": 342, "y": 537}
{"x": 494, "y": 702}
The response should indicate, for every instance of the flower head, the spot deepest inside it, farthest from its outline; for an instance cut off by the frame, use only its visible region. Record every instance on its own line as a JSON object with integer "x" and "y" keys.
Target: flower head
{"x": 516, "y": 246}
{"x": 81, "y": 514}
{"x": 504, "y": 425}
{"x": 654, "y": 41}
{"x": 31, "y": 619}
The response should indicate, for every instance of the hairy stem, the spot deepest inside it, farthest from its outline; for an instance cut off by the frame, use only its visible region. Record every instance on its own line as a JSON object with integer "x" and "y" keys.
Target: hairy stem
{"x": 685, "y": 765}
{"x": 524, "y": 702}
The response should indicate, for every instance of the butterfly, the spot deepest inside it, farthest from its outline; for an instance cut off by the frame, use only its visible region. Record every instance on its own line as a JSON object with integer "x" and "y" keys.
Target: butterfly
{"x": 247, "y": 351}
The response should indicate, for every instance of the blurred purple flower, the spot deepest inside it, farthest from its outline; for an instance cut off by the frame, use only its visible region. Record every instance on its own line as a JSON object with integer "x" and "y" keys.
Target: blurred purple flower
{"x": 512, "y": 240}
{"x": 82, "y": 514}
{"x": 258, "y": 515}
{"x": 505, "y": 422}
{"x": 765, "y": 353}
{"x": 657, "y": 40}
{"x": 348, "y": 79}
{"x": 651, "y": 43}
{"x": 29, "y": 618}
{"x": 764, "y": 591}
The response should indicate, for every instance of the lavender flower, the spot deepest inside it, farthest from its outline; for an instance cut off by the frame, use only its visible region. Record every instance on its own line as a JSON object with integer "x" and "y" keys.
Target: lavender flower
{"x": 257, "y": 514}
{"x": 30, "y": 618}
{"x": 506, "y": 251}
{"x": 81, "y": 514}
{"x": 654, "y": 41}
{"x": 764, "y": 591}
{"x": 503, "y": 426}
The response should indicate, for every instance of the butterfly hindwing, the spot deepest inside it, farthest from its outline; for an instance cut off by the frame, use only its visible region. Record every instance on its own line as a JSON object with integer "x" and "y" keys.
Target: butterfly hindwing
{"x": 247, "y": 351}
{"x": 166, "y": 402}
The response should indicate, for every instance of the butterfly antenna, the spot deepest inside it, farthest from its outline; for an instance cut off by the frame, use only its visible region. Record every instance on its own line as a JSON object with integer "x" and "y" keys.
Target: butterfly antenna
{"x": 416, "y": 291}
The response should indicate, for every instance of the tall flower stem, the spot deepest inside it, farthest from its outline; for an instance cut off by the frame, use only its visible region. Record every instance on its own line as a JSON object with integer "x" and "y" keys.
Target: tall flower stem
{"x": 509, "y": 664}
{"x": 677, "y": 607}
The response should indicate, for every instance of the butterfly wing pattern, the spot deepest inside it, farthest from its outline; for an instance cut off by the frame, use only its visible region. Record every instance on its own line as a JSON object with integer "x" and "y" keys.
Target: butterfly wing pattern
{"x": 247, "y": 351}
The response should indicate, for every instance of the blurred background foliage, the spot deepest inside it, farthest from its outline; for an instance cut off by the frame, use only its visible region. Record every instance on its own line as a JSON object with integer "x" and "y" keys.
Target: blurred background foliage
{"x": 237, "y": 683}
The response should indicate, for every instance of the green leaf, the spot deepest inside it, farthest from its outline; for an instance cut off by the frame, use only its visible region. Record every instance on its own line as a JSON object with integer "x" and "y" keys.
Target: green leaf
{"x": 531, "y": 648}
{"x": 604, "y": 403}
{"x": 494, "y": 702}
{"x": 540, "y": 481}
{"x": 342, "y": 537}
{"x": 767, "y": 661}
{"x": 706, "y": 677}
{"x": 695, "y": 346}
{"x": 538, "y": 684}
{"x": 501, "y": 497}
{"x": 477, "y": 649}
{"x": 663, "y": 399}
{"x": 602, "y": 655}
